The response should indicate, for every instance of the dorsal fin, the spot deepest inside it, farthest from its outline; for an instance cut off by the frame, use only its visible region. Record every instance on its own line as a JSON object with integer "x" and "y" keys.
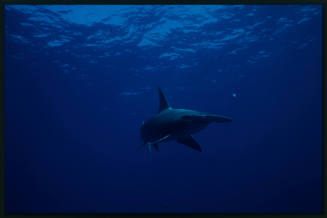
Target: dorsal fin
{"x": 163, "y": 102}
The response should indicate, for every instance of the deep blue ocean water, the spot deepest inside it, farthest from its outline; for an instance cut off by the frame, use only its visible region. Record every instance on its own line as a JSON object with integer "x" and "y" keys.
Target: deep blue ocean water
{"x": 79, "y": 81}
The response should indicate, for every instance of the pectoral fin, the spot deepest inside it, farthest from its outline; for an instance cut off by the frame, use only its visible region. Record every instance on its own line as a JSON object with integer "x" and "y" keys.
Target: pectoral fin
{"x": 148, "y": 147}
{"x": 190, "y": 142}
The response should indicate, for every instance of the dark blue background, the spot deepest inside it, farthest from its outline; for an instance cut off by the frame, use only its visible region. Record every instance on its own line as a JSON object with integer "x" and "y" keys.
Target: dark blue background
{"x": 79, "y": 81}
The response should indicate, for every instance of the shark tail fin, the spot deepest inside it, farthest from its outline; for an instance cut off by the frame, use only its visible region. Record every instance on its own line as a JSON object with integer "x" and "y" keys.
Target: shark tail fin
{"x": 163, "y": 101}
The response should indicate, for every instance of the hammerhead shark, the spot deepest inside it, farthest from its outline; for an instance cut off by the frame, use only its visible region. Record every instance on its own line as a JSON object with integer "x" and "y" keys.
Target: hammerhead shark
{"x": 176, "y": 124}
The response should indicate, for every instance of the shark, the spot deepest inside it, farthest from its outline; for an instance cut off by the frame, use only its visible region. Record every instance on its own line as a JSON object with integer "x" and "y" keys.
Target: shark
{"x": 172, "y": 124}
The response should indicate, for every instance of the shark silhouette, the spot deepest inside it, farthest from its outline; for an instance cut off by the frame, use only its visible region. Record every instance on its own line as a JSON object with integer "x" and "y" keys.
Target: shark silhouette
{"x": 176, "y": 124}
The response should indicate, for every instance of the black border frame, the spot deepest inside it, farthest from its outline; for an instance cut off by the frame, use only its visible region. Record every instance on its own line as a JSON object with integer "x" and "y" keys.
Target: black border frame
{"x": 162, "y": 2}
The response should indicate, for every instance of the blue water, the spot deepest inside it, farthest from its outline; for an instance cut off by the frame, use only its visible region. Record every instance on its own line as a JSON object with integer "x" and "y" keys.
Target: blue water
{"x": 79, "y": 81}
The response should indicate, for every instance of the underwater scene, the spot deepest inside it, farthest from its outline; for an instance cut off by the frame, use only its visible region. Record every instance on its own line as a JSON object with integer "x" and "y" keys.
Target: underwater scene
{"x": 163, "y": 108}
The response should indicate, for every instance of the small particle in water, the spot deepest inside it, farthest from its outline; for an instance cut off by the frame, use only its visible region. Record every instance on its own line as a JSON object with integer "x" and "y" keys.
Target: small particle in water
{"x": 234, "y": 95}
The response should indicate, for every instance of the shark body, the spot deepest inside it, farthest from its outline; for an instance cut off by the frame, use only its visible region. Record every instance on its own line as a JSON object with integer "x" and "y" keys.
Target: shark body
{"x": 176, "y": 124}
